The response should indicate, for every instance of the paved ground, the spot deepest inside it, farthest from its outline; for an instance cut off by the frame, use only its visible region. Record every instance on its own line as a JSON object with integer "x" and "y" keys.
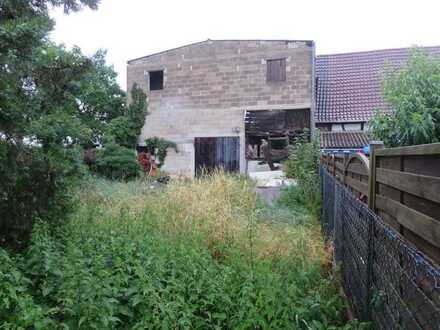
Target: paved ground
{"x": 269, "y": 183}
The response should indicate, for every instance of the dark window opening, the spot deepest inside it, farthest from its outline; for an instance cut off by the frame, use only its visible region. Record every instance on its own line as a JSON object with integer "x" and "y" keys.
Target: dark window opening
{"x": 156, "y": 80}
{"x": 276, "y": 70}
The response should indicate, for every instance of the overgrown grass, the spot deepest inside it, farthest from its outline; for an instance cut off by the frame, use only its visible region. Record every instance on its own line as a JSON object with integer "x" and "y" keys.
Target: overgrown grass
{"x": 199, "y": 254}
{"x": 303, "y": 166}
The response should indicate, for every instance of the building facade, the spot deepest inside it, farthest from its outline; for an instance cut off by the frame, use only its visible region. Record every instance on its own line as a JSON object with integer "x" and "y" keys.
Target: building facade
{"x": 199, "y": 96}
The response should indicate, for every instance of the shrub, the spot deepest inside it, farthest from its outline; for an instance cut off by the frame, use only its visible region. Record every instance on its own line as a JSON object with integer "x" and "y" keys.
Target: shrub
{"x": 413, "y": 92}
{"x": 303, "y": 165}
{"x": 116, "y": 162}
{"x": 34, "y": 185}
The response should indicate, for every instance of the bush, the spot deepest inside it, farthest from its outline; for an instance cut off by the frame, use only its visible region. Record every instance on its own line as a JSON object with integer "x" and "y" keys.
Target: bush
{"x": 116, "y": 162}
{"x": 303, "y": 166}
{"x": 34, "y": 185}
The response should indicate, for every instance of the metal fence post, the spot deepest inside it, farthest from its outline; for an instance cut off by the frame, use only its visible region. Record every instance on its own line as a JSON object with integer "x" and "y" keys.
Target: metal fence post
{"x": 374, "y": 145}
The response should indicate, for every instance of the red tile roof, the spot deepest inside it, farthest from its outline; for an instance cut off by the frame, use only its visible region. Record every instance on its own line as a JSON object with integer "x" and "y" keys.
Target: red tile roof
{"x": 344, "y": 140}
{"x": 348, "y": 86}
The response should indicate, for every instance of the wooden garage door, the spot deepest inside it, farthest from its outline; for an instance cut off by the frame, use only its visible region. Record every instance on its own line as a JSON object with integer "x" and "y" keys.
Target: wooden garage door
{"x": 217, "y": 152}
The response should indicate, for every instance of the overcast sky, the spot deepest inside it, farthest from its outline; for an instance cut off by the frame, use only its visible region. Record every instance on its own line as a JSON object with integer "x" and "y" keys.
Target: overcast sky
{"x": 134, "y": 28}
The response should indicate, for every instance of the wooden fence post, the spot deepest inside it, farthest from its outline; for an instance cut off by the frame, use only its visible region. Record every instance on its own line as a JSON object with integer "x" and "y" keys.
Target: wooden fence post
{"x": 344, "y": 174}
{"x": 374, "y": 145}
{"x": 334, "y": 165}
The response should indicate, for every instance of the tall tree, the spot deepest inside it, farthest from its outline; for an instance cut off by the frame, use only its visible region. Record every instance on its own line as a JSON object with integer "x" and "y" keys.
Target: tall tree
{"x": 413, "y": 91}
{"x": 42, "y": 90}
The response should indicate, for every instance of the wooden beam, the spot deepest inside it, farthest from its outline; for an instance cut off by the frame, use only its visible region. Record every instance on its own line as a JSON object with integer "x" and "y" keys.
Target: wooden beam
{"x": 420, "y": 150}
{"x": 340, "y": 166}
{"x": 424, "y": 186}
{"x": 374, "y": 146}
{"x": 357, "y": 185}
{"x": 426, "y": 227}
{"x": 357, "y": 170}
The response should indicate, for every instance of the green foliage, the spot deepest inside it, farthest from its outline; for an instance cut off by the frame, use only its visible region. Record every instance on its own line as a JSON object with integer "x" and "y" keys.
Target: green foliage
{"x": 413, "y": 92}
{"x": 52, "y": 101}
{"x": 117, "y": 162}
{"x": 125, "y": 130}
{"x": 303, "y": 166}
{"x": 160, "y": 146}
{"x": 18, "y": 309}
{"x": 101, "y": 99}
{"x": 35, "y": 185}
{"x": 115, "y": 265}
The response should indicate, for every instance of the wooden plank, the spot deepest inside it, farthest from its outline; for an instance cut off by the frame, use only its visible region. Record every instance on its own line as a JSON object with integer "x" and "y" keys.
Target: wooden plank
{"x": 391, "y": 162}
{"x": 419, "y": 223}
{"x": 426, "y": 165}
{"x": 357, "y": 169}
{"x": 423, "y": 245}
{"x": 423, "y": 205}
{"x": 420, "y": 185}
{"x": 357, "y": 185}
{"x": 340, "y": 166}
{"x": 423, "y": 149}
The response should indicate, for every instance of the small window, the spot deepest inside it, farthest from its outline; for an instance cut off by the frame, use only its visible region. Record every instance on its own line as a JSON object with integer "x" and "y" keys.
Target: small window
{"x": 276, "y": 70}
{"x": 156, "y": 80}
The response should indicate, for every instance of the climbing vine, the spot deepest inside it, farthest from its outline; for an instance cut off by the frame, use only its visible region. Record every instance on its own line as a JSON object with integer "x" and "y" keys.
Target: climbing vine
{"x": 160, "y": 146}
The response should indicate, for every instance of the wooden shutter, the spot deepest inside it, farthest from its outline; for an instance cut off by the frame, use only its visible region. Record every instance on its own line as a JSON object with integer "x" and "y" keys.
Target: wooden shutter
{"x": 276, "y": 70}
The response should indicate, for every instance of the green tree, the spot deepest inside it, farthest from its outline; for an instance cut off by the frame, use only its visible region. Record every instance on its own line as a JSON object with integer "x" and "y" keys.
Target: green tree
{"x": 125, "y": 129}
{"x": 413, "y": 91}
{"x": 117, "y": 160}
{"x": 40, "y": 130}
{"x": 100, "y": 98}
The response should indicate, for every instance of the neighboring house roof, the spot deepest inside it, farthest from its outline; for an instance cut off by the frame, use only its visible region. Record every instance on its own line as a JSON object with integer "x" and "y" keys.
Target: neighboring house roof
{"x": 308, "y": 42}
{"x": 348, "y": 86}
{"x": 344, "y": 140}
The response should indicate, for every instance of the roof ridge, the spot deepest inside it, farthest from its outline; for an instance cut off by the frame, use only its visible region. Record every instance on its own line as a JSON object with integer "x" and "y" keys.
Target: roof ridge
{"x": 374, "y": 51}
{"x": 208, "y": 40}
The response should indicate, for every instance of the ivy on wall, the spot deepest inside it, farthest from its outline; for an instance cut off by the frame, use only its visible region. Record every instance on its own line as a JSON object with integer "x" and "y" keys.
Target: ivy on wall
{"x": 159, "y": 147}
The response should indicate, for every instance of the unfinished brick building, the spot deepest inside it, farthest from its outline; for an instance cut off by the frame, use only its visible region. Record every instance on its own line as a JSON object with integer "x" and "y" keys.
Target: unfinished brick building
{"x": 216, "y": 98}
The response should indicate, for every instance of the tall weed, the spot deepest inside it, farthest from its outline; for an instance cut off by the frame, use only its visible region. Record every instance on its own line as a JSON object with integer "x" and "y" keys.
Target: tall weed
{"x": 303, "y": 166}
{"x": 196, "y": 255}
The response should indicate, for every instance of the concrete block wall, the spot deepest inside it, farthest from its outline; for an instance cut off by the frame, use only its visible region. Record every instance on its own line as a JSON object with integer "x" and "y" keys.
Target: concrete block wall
{"x": 208, "y": 86}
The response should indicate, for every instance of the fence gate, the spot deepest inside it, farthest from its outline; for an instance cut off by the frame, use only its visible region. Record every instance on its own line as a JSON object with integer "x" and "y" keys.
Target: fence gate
{"x": 217, "y": 152}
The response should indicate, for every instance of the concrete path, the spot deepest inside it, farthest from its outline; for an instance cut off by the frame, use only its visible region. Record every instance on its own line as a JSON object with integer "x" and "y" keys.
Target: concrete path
{"x": 269, "y": 183}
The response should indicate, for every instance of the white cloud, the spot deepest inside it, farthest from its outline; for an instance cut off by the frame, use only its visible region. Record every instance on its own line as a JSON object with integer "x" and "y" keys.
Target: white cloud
{"x": 134, "y": 28}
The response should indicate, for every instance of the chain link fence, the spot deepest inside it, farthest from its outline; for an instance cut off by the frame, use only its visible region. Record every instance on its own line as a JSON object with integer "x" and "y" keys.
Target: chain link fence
{"x": 387, "y": 281}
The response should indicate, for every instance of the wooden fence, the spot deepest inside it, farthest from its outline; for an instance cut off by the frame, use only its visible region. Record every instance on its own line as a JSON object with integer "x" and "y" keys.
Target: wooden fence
{"x": 404, "y": 184}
